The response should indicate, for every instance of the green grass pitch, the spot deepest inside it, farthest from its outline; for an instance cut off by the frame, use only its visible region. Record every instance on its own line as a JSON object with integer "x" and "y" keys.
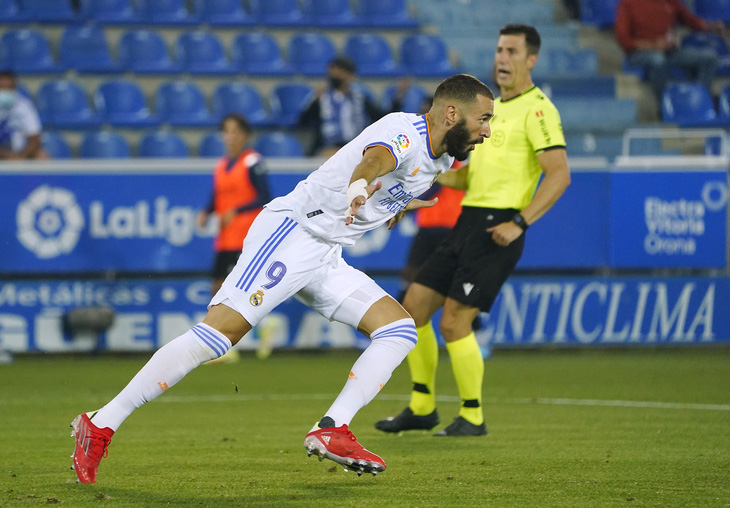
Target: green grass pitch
{"x": 566, "y": 429}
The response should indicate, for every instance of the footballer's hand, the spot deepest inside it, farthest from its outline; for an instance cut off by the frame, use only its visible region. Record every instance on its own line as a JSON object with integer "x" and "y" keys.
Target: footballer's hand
{"x": 359, "y": 201}
{"x": 505, "y": 233}
{"x": 414, "y": 204}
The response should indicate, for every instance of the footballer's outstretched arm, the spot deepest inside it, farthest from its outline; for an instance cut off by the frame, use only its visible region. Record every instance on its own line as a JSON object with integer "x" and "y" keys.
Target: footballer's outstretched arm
{"x": 376, "y": 162}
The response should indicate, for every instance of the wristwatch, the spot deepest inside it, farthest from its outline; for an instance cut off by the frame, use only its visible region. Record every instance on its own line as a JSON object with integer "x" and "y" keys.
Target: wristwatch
{"x": 521, "y": 222}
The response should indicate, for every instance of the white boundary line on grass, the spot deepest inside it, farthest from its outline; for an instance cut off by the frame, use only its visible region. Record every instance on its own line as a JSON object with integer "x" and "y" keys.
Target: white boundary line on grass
{"x": 648, "y": 404}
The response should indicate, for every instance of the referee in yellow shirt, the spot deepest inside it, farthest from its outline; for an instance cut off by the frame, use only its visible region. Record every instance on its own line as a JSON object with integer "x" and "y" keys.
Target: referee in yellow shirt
{"x": 503, "y": 198}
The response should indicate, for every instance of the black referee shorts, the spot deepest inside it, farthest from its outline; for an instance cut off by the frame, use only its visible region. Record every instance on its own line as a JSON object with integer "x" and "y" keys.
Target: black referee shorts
{"x": 469, "y": 266}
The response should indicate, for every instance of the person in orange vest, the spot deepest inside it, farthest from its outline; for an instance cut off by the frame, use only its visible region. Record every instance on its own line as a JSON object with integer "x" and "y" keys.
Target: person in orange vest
{"x": 240, "y": 190}
{"x": 434, "y": 225}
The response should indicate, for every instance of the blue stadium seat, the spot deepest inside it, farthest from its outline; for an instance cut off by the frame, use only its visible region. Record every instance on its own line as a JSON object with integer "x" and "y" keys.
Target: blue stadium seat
{"x": 600, "y": 13}
{"x": 616, "y": 116}
{"x": 162, "y": 144}
{"x": 259, "y": 54}
{"x": 723, "y": 104}
{"x": 386, "y": 13}
{"x": 224, "y": 13}
{"x": 64, "y": 104}
{"x": 279, "y": 144}
{"x": 703, "y": 40}
{"x": 713, "y": 146}
{"x": 84, "y": 49}
{"x": 104, "y": 145}
{"x": 332, "y": 14}
{"x": 49, "y": 11}
{"x": 55, "y": 145}
{"x": 110, "y": 11}
{"x": 26, "y": 51}
{"x": 145, "y": 51}
{"x": 688, "y": 105}
{"x": 560, "y": 62}
{"x": 310, "y": 53}
{"x": 240, "y": 98}
{"x": 425, "y": 55}
{"x": 182, "y": 103}
{"x": 713, "y": 9}
{"x": 122, "y": 103}
{"x": 166, "y": 12}
{"x": 372, "y": 55}
{"x": 10, "y": 12}
{"x": 212, "y": 146}
{"x": 572, "y": 86}
{"x": 202, "y": 53}
{"x": 279, "y": 13}
{"x": 411, "y": 102}
{"x": 288, "y": 101}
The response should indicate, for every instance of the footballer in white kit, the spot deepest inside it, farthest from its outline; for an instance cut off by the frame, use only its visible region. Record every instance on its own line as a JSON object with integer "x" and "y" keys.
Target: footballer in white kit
{"x": 294, "y": 248}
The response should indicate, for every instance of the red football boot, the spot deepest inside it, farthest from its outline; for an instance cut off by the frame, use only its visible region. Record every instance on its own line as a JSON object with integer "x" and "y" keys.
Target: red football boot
{"x": 91, "y": 446}
{"x": 340, "y": 445}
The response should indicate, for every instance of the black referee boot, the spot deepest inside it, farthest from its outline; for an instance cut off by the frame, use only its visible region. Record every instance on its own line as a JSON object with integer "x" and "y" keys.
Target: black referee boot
{"x": 462, "y": 427}
{"x": 406, "y": 420}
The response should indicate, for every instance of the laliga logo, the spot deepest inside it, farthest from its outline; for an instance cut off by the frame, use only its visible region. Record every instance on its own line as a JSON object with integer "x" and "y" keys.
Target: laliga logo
{"x": 49, "y": 222}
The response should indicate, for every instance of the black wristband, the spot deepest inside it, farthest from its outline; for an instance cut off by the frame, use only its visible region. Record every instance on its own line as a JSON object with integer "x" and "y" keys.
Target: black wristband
{"x": 521, "y": 222}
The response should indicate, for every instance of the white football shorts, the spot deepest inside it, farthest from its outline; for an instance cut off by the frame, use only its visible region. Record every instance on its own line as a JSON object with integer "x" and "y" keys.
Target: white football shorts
{"x": 281, "y": 259}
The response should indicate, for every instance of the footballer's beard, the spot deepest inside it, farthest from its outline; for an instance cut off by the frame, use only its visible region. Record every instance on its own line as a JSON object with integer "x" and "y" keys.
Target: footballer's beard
{"x": 457, "y": 141}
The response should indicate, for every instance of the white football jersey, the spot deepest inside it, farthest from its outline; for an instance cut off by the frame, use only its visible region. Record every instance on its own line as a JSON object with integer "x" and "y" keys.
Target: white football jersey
{"x": 319, "y": 202}
{"x": 18, "y": 123}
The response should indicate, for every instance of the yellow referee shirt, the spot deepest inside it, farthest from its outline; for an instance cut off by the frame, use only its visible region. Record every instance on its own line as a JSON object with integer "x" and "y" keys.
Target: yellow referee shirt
{"x": 503, "y": 171}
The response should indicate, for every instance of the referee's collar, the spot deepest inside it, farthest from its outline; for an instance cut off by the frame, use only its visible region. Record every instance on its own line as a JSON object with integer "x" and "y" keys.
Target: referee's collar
{"x": 533, "y": 87}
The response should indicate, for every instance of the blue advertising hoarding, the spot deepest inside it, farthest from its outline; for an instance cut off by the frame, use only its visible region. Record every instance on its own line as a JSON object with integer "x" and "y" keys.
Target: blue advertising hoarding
{"x": 140, "y": 217}
{"x": 664, "y": 218}
{"x": 531, "y": 311}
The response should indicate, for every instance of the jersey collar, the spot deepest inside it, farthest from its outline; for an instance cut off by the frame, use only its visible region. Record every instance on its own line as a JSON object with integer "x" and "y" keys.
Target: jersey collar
{"x": 428, "y": 138}
{"x": 533, "y": 87}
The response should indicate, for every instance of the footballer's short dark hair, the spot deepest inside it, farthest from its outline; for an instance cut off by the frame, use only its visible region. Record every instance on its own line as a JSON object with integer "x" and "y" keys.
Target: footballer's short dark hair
{"x": 532, "y": 38}
{"x": 462, "y": 87}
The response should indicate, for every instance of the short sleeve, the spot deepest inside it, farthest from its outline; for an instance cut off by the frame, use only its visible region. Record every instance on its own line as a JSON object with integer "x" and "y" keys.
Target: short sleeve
{"x": 543, "y": 126}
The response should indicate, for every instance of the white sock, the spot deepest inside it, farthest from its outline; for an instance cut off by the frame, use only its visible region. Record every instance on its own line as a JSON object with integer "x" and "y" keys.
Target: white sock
{"x": 166, "y": 367}
{"x": 389, "y": 346}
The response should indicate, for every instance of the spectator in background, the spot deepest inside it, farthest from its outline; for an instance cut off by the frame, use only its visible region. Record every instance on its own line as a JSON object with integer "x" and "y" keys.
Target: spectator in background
{"x": 646, "y": 30}
{"x": 340, "y": 111}
{"x": 240, "y": 190}
{"x": 20, "y": 127}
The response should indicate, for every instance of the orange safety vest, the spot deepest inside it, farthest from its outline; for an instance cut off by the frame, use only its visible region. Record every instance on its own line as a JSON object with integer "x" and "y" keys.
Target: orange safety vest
{"x": 447, "y": 210}
{"x": 233, "y": 189}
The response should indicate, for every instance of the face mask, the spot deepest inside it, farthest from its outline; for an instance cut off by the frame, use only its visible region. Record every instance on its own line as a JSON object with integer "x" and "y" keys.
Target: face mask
{"x": 335, "y": 82}
{"x": 7, "y": 98}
